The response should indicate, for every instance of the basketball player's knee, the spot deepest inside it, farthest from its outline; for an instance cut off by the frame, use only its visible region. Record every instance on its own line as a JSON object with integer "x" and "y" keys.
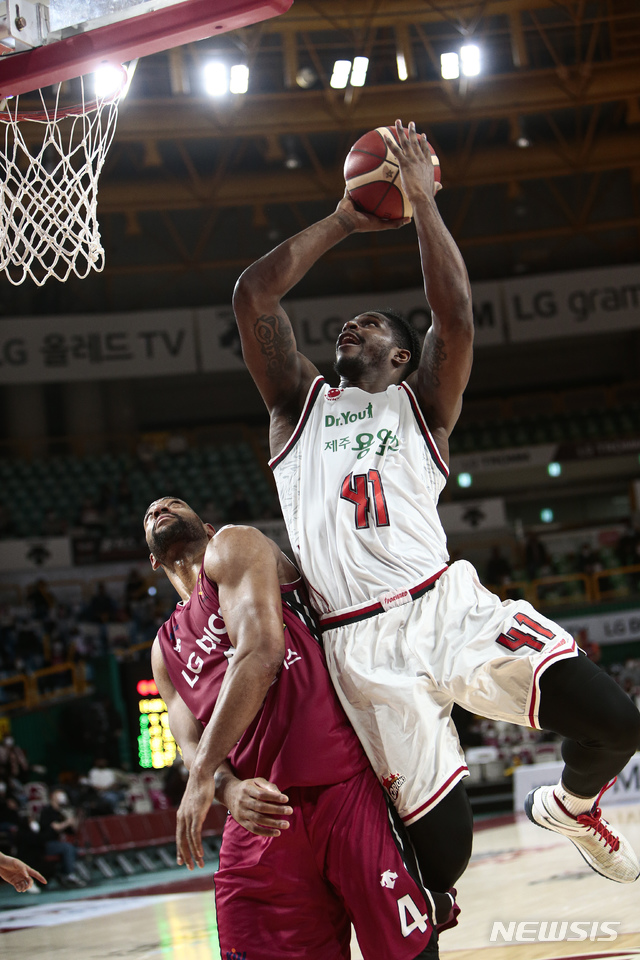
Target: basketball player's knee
{"x": 622, "y": 731}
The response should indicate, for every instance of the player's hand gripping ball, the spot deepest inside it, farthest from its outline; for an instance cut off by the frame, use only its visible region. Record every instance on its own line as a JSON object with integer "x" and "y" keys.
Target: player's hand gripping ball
{"x": 372, "y": 176}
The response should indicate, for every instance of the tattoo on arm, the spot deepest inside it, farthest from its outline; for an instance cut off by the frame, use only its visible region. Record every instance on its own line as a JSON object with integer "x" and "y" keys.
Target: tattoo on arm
{"x": 437, "y": 356}
{"x": 276, "y": 343}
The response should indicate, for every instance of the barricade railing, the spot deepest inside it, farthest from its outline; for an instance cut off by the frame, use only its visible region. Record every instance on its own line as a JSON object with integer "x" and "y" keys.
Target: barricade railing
{"x": 42, "y": 687}
{"x": 548, "y": 591}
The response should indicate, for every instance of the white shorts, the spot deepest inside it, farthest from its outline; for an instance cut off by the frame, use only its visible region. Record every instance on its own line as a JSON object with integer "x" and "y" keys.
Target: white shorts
{"x": 399, "y": 673}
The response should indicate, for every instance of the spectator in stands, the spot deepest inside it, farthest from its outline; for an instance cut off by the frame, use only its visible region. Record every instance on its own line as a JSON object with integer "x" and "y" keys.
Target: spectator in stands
{"x": 9, "y": 809}
{"x": 13, "y": 760}
{"x": 80, "y": 646}
{"x": 108, "y": 783}
{"x": 588, "y": 560}
{"x": 55, "y": 823}
{"x": 499, "y": 569}
{"x": 29, "y": 648}
{"x": 40, "y": 599}
{"x": 135, "y": 590}
{"x": 536, "y": 557}
{"x": 101, "y": 607}
{"x": 628, "y": 549}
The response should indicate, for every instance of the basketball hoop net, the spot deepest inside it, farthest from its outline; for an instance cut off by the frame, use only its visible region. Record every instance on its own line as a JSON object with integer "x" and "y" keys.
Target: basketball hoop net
{"x": 50, "y": 163}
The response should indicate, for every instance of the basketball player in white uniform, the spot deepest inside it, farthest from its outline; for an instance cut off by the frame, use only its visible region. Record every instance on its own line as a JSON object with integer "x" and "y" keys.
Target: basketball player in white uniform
{"x": 359, "y": 470}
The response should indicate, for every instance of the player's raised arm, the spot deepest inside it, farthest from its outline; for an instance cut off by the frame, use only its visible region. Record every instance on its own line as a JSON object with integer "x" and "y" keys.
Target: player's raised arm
{"x": 446, "y": 358}
{"x": 241, "y": 561}
{"x": 282, "y": 374}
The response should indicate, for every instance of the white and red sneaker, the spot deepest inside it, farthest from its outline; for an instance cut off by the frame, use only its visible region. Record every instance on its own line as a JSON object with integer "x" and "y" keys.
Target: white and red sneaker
{"x": 605, "y": 849}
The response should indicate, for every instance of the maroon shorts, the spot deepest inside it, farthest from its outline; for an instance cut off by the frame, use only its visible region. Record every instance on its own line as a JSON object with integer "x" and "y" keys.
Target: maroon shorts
{"x": 294, "y": 897}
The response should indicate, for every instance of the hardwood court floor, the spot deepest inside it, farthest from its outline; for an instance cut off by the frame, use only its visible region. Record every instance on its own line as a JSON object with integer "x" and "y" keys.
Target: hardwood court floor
{"x": 518, "y": 873}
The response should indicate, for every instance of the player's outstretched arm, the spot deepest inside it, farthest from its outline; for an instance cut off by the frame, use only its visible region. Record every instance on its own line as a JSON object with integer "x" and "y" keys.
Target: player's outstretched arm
{"x": 242, "y": 562}
{"x": 282, "y": 374}
{"x": 17, "y": 873}
{"x": 256, "y": 804}
{"x": 446, "y": 358}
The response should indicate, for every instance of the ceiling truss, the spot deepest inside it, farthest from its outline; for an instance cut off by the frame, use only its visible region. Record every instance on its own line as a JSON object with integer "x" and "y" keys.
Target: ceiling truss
{"x": 566, "y": 71}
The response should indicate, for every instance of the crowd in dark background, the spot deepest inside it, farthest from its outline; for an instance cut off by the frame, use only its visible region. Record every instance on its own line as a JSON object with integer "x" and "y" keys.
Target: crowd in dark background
{"x": 40, "y": 821}
{"x": 537, "y": 561}
{"x": 43, "y": 631}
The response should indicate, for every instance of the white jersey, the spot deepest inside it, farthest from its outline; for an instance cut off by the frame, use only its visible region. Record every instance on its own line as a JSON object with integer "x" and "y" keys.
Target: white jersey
{"x": 358, "y": 482}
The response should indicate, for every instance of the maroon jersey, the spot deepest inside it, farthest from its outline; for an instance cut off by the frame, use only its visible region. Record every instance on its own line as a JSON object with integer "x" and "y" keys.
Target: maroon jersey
{"x": 301, "y": 736}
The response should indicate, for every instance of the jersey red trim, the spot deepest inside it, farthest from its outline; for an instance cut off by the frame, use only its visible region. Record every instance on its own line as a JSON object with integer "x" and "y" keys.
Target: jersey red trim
{"x": 433, "y": 799}
{"x": 535, "y": 687}
{"x": 424, "y": 430}
{"x": 329, "y": 622}
{"x": 312, "y": 396}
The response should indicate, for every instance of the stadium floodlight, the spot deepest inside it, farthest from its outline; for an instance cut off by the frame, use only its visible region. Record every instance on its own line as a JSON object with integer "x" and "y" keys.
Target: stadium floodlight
{"x": 470, "y": 60}
{"x": 216, "y": 81}
{"x": 546, "y": 515}
{"x": 359, "y": 72}
{"x": 401, "y": 63}
{"x": 465, "y": 479}
{"x": 554, "y": 469}
{"x": 340, "y": 75}
{"x": 449, "y": 66}
{"x": 239, "y": 78}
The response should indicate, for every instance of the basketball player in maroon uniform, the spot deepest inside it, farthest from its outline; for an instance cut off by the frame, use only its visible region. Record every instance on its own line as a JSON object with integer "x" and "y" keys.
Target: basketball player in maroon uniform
{"x": 243, "y": 678}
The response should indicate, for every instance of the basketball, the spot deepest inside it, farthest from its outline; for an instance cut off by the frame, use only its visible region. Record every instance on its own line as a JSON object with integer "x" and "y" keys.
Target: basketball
{"x": 372, "y": 176}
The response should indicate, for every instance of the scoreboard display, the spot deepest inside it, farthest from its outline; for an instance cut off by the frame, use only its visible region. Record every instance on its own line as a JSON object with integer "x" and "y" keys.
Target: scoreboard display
{"x": 153, "y": 746}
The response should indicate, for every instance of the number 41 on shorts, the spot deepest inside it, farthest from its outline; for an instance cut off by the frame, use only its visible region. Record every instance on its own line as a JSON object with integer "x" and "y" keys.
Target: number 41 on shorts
{"x": 514, "y": 639}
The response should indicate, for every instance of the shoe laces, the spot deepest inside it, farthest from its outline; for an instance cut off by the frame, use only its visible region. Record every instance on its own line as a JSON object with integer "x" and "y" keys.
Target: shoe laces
{"x": 593, "y": 821}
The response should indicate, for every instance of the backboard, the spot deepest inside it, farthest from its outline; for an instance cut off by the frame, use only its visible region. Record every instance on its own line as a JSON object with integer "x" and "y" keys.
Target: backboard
{"x": 47, "y": 41}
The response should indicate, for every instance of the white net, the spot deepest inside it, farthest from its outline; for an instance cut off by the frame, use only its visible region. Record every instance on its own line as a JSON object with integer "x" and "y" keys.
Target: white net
{"x": 50, "y": 162}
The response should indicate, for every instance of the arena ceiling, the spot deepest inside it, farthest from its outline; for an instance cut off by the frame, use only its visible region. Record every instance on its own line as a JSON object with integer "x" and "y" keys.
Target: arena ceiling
{"x": 195, "y": 188}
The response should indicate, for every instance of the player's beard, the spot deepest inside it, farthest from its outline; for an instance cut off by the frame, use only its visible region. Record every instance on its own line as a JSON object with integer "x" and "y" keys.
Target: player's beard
{"x": 180, "y": 530}
{"x": 352, "y": 367}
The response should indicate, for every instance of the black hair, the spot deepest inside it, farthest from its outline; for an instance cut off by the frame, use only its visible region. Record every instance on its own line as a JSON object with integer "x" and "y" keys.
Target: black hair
{"x": 406, "y": 335}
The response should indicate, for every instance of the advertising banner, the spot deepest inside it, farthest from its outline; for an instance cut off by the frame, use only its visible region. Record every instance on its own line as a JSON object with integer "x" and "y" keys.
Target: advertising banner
{"x": 564, "y": 304}
{"x": 473, "y": 515}
{"x": 35, "y": 553}
{"x": 317, "y": 322}
{"x": 508, "y": 458}
{"x": 528, "y": 777}
{"x": 161, "y": 343}
{"x": 96, "y": 346}
{"x": 618, "y": 626}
